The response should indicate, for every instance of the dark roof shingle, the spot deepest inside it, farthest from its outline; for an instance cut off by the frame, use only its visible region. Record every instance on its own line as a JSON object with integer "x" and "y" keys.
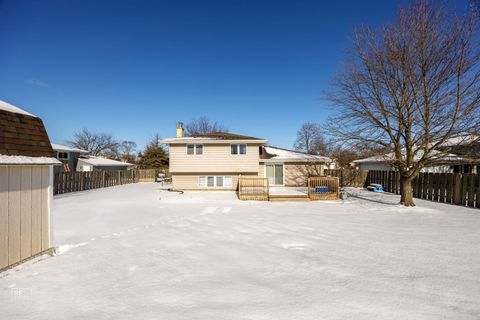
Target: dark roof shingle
{"x": 224, "y": 136}
{"x": 23, "y": 135}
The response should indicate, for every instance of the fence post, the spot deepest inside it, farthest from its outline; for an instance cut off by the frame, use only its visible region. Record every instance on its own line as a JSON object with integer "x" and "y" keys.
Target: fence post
{"x": 457, "y": 188}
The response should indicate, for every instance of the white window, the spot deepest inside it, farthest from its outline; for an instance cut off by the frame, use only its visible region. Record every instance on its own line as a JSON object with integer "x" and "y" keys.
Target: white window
{"x": 62, "y": 155}
{"x": 228, "y": 181}
{"x": 219, "y": 182}
{"x": 238, "y": 149}
{"x": 274, "y": 173}
{"x": 214, "y": 181}
{"x": 195, "y": 149}
{"x": 210, "y": 182}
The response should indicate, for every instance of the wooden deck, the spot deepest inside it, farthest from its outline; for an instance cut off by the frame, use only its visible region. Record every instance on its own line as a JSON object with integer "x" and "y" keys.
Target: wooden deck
{"x": 288, "y": 194}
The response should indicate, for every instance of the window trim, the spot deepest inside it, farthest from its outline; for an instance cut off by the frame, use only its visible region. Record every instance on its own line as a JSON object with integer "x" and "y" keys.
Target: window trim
{"x": 215, "y": 182}
{"x": 66, "y": 152}
{"x": 238, "y": 149}
{"x": 274, "y": 163}
{"x": 194, "y": 149}
{"x": 205, "y": 182}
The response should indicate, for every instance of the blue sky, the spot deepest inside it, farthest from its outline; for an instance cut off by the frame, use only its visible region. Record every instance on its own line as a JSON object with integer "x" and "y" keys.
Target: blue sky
{"x": 134, "y": 68}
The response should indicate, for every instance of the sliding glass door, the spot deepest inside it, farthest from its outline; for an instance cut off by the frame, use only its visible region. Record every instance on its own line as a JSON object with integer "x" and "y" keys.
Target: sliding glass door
{"x": 274, "y": 173}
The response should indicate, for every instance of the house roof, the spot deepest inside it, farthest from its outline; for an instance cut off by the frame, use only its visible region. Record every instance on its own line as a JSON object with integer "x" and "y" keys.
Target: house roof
{"x": 219, "y": 135}
{"x": 461, "y": 141}
{"x": 59, "y": 147}
{"x": 391, "y": 156}
{"x": 104, "y": 162}
{"x": 213, "y": 137}
{"x": 280, "y": 154}
{"x": 22, "y": 134}
{"x": 5, "y": 106}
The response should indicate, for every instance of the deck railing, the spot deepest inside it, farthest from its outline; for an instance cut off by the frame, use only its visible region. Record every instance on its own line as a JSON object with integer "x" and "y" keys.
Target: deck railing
{"x": 253, "y": 188}
{"x": 323, "y": 188}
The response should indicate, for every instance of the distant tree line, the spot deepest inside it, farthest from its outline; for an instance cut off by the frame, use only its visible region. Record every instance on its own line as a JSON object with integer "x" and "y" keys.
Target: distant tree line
{"x": 153, "y": 156}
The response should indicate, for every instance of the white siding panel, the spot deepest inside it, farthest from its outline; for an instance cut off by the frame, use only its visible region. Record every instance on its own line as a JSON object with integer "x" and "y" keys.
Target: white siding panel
{"x": 36, "y": 210}
{"x": 44, "y": 210}
{"x": 26, "y": 213}
{"x": 3, "y": 216}
{"x": 14, "y": 213}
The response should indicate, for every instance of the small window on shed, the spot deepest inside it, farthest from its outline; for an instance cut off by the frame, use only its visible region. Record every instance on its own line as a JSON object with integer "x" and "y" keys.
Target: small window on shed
{"x": 62, "y": 155}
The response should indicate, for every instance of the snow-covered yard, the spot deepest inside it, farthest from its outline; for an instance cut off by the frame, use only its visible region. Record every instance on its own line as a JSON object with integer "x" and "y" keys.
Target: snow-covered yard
{"x": 136, "y": 252}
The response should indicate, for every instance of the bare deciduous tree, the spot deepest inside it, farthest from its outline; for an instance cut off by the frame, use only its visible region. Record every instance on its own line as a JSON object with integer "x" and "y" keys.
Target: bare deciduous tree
{"x": 344, "y": 157}
{"x": 95, "y": 143}
{"x": 127, "y": 151}
{"x": 310, "y": 140}
{"x": 203, "y": 125}
{"x": 411, "y": 86}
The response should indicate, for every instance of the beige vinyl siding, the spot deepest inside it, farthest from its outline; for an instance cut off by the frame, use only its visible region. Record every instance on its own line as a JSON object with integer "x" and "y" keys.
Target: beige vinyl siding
{"x": 24, "y": 212}
{"x": 261, "y": 170}
{"x": 190, "y": 181}
{"x": 296, "y": 174}
{"x": 215, "y": 158}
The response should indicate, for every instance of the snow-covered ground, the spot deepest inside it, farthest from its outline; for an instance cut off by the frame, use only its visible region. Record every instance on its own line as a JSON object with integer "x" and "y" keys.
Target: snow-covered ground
{"x": 136, "y": 252}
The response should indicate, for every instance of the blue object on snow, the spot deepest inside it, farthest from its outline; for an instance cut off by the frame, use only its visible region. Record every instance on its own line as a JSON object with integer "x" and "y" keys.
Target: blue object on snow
{"x": 375, "y": 187}
{"x": 322, "y": 189}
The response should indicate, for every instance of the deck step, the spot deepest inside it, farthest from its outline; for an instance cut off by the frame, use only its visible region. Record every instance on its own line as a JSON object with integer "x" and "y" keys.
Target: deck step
{"x": 287, "y": 197}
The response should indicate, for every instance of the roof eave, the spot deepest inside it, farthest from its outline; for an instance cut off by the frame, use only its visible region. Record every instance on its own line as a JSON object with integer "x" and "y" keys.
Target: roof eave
{"x": 211, "y": 141}
{"x": 274, "y": 159}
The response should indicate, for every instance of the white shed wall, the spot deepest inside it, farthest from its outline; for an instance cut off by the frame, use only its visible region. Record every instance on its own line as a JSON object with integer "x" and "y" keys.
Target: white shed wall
{"x": 25, "y": 199}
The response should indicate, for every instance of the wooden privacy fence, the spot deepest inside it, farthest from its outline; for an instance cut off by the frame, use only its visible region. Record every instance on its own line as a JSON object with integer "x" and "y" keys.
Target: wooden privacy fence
{"x": 65, "y": 182}
{"x": 147, "y": 175}
{"x": 453, "y": 188}
{"x": 348, "y": 177}
{"x": 323, "y": 188}
{"x": 253, "y": 189}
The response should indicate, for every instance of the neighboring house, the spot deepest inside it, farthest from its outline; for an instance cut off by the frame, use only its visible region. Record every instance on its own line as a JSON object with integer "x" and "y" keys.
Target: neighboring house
{"x": 68, "y": 156}
{"x": 467, "y": 147}
{"x": 216, "y": 161}
{"x": 75, "y": 159}
{"x": 451, "y": 163}
{"x": 98, "y": 163}
{"x": 26, "y": 186}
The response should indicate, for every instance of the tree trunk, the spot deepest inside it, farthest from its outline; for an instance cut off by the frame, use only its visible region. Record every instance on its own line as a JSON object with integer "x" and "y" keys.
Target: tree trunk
{"x": 406, "y": 192}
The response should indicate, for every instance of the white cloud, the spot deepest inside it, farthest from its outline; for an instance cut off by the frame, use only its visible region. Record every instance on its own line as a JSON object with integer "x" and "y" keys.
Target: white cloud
{"x": 36, "y": 82}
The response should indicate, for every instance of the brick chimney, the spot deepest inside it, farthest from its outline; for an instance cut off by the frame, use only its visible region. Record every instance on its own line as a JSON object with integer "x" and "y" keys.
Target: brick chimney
{"x": 180, "y": 130}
